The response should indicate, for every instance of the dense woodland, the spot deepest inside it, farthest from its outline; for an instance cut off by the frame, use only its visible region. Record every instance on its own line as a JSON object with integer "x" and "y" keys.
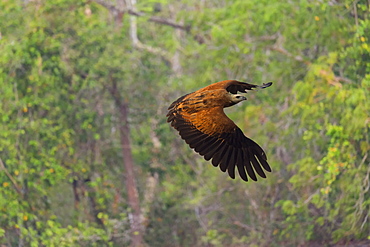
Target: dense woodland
{"x": 86, "y": 155}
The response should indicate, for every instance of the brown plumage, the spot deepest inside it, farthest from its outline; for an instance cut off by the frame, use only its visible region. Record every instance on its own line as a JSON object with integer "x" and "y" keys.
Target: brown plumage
{"x": 202, "y": 123}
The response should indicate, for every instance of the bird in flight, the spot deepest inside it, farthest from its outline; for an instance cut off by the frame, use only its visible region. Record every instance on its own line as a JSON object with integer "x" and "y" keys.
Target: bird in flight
{"x": 200, "y": 120}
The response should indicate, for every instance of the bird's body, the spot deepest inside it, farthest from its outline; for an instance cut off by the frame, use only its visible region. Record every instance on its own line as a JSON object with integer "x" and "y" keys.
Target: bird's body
{"x": 202, "y": 123}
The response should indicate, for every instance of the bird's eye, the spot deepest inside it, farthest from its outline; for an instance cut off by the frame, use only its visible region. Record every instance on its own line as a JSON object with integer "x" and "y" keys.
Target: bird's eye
{"x": 238, "y": 97}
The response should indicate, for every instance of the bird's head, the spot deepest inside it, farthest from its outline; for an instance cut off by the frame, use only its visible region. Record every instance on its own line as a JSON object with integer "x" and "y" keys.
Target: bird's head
{"x": 236, "y": 98}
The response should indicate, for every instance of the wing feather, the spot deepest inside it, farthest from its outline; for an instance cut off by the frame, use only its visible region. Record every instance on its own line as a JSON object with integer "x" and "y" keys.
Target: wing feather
{"x": 263, "y": 160}
{"x": 241, "y": 171}
{"x": 220, "y": 154}
{"x": 212, "y": 149}
{"x": 231, "y": 167}
{"x": 234, "y": 86}
{"x": 248, "y": 166}
{"x": 201, "y": 147}
{"x": 228, "y": 158}
{"x": 238, "y": 86}
{"x": 215, "y": 150}
{"x": 257, "y": 167}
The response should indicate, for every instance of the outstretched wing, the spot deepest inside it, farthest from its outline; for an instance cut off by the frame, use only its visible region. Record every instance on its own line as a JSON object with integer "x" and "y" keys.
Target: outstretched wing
{"x": 237, "y": 86}
{"x": 233, "y": 86}
{"x": 213, "y": 135}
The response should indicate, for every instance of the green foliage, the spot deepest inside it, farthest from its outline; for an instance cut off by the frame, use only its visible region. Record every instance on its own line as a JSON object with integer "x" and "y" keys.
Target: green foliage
{"x": 335, "y": 116}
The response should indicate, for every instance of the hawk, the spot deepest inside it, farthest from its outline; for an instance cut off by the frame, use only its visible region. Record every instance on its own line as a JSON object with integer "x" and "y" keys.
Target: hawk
{"x": 200, "y": 120}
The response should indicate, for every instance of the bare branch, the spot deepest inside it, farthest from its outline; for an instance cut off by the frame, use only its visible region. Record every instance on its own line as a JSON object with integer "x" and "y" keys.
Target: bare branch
{"x": 250, "y": 39}
{"x": 156, "y": 19}
{"x": 355, "y": 12}
{"x": 160, "y": 20}
{"x": 238, "y": 223}
{"x": 133, "y": 25}
{"x": 124, "y": 8}
{"x": 17, "y": 188}
{"x": 343, "y": 79}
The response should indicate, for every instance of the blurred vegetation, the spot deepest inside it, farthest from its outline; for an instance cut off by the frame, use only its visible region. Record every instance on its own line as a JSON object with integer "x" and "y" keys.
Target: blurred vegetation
{"x": 62, "y": 178}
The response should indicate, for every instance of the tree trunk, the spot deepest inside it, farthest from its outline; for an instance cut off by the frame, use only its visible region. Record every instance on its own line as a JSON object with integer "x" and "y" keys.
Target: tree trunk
{"x": 128, "y": 165}
{"x": 133, "y": 196}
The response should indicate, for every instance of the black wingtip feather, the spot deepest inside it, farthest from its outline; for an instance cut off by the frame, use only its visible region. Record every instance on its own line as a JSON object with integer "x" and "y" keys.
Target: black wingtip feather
{"x": 256, "y": 165}
{"x": 242, "y": 173}
{"x": 228, "y": 158}
{"x": 218, "y": 156}
{"x": 265, "y": 85}
{"x": 209, "y": 147}
{"x": 248, "y": 165}
{"x": 213, "y": 151}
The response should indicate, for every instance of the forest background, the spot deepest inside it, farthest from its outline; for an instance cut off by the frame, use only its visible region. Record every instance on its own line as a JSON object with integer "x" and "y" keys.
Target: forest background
{"x": 86, "y": 155}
